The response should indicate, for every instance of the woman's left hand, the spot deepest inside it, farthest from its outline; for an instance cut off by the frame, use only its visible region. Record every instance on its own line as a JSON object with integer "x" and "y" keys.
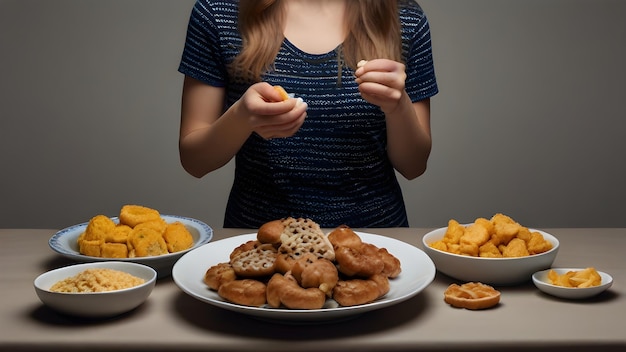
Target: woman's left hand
{"x": 381, "y": 82}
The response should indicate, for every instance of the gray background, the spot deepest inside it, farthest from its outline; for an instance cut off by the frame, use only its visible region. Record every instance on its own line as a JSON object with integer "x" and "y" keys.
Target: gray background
{"x": 529, "y": 122}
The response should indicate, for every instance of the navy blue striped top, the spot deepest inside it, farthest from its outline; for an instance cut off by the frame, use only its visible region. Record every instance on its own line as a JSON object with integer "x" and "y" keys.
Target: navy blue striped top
{"x": 335, "y": 169}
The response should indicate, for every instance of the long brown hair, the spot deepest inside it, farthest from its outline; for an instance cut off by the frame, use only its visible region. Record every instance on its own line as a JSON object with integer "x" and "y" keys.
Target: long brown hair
{"x": 373, "y": 31}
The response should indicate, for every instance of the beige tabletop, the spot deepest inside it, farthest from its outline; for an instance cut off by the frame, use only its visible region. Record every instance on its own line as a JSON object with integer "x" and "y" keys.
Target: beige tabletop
{"x": 172, "y": 320}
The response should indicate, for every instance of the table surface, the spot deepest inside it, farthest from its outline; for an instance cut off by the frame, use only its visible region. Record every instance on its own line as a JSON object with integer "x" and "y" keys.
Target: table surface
{"x": 173, "y": 320}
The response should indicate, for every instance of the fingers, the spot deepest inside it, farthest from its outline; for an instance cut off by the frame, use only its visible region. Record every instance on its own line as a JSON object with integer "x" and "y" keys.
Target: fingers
{"x": 270, "y": 115}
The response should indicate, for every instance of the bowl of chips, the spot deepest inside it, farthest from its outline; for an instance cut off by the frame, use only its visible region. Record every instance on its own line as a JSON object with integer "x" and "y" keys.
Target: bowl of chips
{"x": 495, "y": 251}
{"x": 96, "y": 290}
{"x": 572, "y": 283}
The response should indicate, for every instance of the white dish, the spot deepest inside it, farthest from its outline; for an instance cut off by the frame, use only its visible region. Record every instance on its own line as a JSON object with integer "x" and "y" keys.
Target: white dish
{"x": 493, "y": 271}
{"x": 96, "y": 304}
{"x": 65, "y": 243}
{"x": 540, "y": 279}
{"x": 418, "y": 271}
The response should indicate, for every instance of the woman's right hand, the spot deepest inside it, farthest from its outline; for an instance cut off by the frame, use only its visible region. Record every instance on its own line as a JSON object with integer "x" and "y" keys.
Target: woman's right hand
{"x": 270, "y": 116}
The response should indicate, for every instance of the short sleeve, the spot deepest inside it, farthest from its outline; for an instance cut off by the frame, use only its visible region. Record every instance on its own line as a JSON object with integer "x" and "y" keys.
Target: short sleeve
{"x": 201, "y": 57}
{"x": 421, "y": 82}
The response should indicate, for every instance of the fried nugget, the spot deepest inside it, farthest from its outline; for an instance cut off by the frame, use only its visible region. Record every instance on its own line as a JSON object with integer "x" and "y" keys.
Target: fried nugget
{"x": 515, "y": 248}
{"x": 454, "y": 232}
{"x": 145, "y": 242}
{"x": 98, "y": 228}
{"x": 119, "y": 234}
{"x": 538, "y": 244}
{"x": 114, "y": 250}
{"x": 177, "y": 237}
{"x": 133, "y": 215}
{"x": 489, "y": 250}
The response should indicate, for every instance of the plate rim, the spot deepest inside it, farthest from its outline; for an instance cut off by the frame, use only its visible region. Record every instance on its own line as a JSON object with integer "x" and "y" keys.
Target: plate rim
{"x": 283, "y": 314}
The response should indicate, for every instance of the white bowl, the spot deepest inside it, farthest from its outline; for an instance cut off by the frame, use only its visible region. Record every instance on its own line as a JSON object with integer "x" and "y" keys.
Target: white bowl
{"x": 97, "y": 304}
{"x": 65, "y": 243}
{"x": 493, "y": 271}
{"x": 540, "y": 279}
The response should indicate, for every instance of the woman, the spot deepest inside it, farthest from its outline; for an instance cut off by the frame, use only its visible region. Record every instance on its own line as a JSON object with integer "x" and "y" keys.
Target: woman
{"x": 332, "y": 153}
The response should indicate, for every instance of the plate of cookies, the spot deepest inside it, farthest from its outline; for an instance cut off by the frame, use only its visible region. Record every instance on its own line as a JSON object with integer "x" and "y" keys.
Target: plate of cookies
{"x": 290, "y": 270}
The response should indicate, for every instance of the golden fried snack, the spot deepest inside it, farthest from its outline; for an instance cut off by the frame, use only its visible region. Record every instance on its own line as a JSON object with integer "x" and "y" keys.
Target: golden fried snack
{"x": 256, "y": 262}
{"x": 471, "y": 295}
{"x": 283, "y": 290}
{"x": 114, "y": 250}
{"x": 89, "y": 247}
{"x": 363, "y": 262}
{"x": 145, "y": 242}
{"x": 311, "y": 271}
{"x": 355, "y": 292}
{"x": 344, "y": 236}
{"x": 119, "y": 234}
{"x": 515, "y": 248}
{"x": 283, "y": 93}
{"x": 133, "y": 215}
{"x": 587, "y": 277}
{"x": 247, "y": 292}
{"x": 219, "y": 274}
{"x": 177, "y": 237}
{"x": 498, "y": 237}
{"x": 98, "y": 228}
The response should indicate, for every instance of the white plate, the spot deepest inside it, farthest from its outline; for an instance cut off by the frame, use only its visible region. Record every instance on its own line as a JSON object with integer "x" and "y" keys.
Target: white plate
{"x": 540, "y": 279}
{"x": 418, "y": 271}
{"x": 65, "y": 243}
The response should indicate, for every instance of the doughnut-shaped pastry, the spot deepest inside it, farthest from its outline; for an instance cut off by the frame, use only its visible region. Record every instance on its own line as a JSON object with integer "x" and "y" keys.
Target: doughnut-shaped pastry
{"x": 355, "y": 292}
{"x": 285, "y": 291}
{"x": 363, "y": 262}
{"x": 311, "y": 271}
{"x": 133, "y": 215}
{"x": 247, "y": 292}
{"x": 343, "y": 236}
{"x": 219, "y": 274}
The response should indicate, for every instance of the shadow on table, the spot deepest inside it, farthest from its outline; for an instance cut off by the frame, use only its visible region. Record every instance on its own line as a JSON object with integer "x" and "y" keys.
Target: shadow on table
{"x": 208, "y": 317}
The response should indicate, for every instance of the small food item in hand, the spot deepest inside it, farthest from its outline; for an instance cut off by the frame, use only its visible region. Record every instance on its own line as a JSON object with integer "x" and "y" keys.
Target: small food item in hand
{"x": 97, "y": 280}
{"x": 247, "y": 292}
{"x": 361, "y": 63}
{"x": 471, "y": 295}
{"x": 283, "y": 93}
{"x": 588, "y": 277}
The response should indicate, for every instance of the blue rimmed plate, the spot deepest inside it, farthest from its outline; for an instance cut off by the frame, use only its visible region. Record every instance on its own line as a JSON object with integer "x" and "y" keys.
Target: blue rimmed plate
{"x": 65, "y": 242}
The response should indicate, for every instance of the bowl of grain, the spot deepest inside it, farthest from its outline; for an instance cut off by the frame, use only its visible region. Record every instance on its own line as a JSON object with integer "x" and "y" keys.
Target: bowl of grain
{"x": 100, "y": 289}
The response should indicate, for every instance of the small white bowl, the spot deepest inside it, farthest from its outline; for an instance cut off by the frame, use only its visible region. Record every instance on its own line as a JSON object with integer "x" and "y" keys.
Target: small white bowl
{"x": 540, "y": 279}
{"x": 492, "y": 271}
{"x": 97, "y": 304}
